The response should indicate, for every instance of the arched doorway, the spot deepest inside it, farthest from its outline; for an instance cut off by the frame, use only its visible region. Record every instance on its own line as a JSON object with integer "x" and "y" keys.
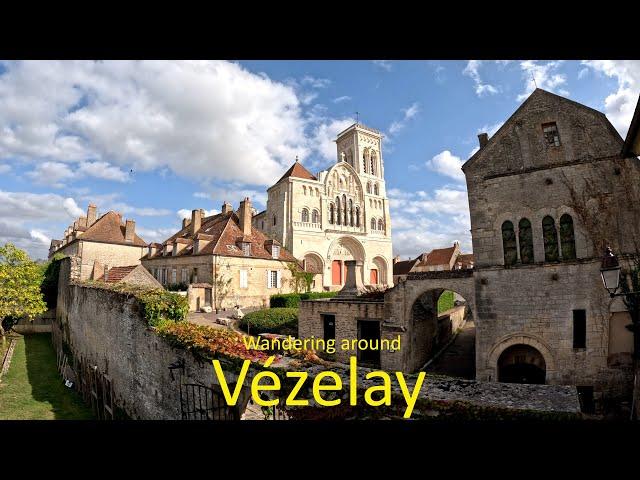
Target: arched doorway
{"x": 341, "y": 250}
{"x": 378, "y": 272}
{"x": 313, "y": 263}
{"x": 521, "y": 364}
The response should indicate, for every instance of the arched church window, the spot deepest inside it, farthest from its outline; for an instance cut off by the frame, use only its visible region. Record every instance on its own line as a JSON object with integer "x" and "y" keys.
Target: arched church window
{"x": 351, "y": 212}
{"x": 368, "y": 187}
{"x": 376, "y": 189}
{"x": 525, "y": 237}
{"x": 373, "y": 224}
{"x": 550, "y": 236}
{"x": 567, "y": 237}
{"x": 305, "y": 215}
{"x": 373, "y": 163}
{"x": 365, "y": 160}
{"x": 357, "y": 216}
{"x": 345, "y": 214}
{"x": 338, "y": 211}
{"x": 304, "y": 190}
{"x": 509, "y": 244}
{"x": 380, "y": 225}
{"x": 315, "y": 217}
{"x": 332, "y": 214}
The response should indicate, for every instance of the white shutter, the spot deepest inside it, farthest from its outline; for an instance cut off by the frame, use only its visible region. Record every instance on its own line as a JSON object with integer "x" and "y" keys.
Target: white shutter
{"x": 243, "y": 279}
{"x": 278, "y": 279}
{"x": 268, "y": 278}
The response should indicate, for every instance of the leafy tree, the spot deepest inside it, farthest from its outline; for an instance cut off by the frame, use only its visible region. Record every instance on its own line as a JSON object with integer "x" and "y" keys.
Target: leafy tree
{"x": 20, "y": 280}
{"x": 301, "y": 281}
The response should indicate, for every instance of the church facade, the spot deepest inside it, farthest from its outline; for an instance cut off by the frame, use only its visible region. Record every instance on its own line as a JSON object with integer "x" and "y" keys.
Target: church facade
{"x": 337, "y": 215}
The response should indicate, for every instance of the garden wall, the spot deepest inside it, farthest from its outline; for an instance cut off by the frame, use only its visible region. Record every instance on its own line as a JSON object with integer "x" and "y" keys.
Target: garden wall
{"x": 108, "y": 330}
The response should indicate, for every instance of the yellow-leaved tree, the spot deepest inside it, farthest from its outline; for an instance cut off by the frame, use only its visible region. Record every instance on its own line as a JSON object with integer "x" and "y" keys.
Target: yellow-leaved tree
{"x": 20, "y": 295}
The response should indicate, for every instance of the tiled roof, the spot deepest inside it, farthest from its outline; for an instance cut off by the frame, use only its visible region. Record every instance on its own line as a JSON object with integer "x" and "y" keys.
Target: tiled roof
{"x": 109, "y": 229}
{"x": 439, "y": 256}
{"x": 466, "y": 259}
{"x": 403, "y": 267}
{"x": 297, "y": 171}
{"x": 224, "y": 231}
{"x": 116, "y": 274}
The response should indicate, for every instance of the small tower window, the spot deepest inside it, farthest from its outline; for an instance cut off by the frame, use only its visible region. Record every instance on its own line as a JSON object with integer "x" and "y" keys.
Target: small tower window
{"x": 551, "y": 135}
{"x": 376, "y": 189}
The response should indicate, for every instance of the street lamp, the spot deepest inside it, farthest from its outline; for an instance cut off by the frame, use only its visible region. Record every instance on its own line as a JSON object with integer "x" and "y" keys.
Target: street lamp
{"x": 610, "y": 272}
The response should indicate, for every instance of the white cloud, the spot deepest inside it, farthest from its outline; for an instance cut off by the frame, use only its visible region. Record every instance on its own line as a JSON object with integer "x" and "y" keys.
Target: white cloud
{"x": 383, "y": 64}
{"x": 186, "y": 213}
{"x": 71, "y": 207}
{"x": 55, "y": 174}
{"x": 491, "y": 129}
{"x": 423, "y": 221}
{"x": 472, "y": 70}
{"x": 5, "y": 168}
{"x": 542, "y": 75}
{"x": 155, "y": 234}
{"x": 40, "y": 237}
{"x": 343, "y": 98}
{"x": 324, "y": 137}
{"x": 620, "y": 104}
{"x": 445, "y": 163}
{"x": 192, "y": 117}
{"x": 583, "y": 73}
{"x": 407, "y": 114}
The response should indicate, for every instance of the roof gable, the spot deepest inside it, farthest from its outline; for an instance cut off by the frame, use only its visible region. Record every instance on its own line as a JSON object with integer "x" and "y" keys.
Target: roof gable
{"x": 519, "y": 142}
{"x": 297, "y": 171}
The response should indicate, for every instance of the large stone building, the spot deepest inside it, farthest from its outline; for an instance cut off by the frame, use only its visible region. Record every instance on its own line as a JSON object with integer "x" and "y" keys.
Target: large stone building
{"x": 224, "y": 258}
{"x": 101, "y": 242}
{"x": 338, "y": 215}
{"x": 547, "y": 193}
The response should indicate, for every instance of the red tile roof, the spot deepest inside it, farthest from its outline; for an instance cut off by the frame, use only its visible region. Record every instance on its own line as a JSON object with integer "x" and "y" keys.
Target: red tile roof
{"x": 224, "y": 231}
{"x": 297, "y": 171}
{"x": 115, "y": 274}
{"x": 439, "y": 256}
{"x": 403, "y": 267}
{"x": 466, "y": 259}
{"x": 110, "y": 229}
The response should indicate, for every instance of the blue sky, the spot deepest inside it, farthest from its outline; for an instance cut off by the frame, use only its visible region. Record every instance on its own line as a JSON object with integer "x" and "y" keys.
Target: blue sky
{"x": 154, "y": 140}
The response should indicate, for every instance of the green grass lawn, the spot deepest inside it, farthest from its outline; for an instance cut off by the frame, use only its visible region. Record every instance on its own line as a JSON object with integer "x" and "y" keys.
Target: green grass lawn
{"x": 32, "y": 389}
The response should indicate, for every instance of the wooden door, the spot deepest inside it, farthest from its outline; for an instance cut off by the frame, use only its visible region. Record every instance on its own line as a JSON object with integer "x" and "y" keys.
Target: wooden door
{"x": 336, "y": 272}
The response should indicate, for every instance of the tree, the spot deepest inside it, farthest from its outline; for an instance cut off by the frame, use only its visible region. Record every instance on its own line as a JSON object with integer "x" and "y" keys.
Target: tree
{"x": 20, "y": 280}
{"x": 301, "y": 281}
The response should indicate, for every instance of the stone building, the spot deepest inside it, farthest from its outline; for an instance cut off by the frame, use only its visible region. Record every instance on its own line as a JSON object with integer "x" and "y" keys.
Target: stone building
{"x": 338, "y": 215}
{"x": 224, "y": 259}
{"x": 100, "y": 242}
{"x": 438, "y": 259}
{"x": 547, "y": 193}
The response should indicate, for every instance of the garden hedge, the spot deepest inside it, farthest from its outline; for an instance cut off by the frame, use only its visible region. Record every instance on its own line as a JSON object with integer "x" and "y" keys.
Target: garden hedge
{"x": 292, "y": 300}
{"x": 273, "y": 320}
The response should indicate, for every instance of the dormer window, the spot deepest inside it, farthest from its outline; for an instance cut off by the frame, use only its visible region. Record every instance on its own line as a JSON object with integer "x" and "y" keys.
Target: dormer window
{"x": 551, "y": 135}
{"x": 246, "y": 249}
{"x": 275, "y": 252}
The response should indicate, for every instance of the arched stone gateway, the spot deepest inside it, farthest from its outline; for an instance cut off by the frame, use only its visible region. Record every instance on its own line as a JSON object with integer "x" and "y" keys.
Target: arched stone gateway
{"x": 521, "y": 364}
{"x": 520, "y": 358}
{"x": 411, "y": 308}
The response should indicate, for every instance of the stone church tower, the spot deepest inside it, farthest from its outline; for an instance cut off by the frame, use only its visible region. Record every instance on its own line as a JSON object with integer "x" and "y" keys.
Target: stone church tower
{"x": 338, "y": 215}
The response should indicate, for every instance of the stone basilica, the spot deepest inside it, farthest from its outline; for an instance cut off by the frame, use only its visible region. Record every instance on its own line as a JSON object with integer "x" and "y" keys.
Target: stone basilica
{"x": 337, "y": 215}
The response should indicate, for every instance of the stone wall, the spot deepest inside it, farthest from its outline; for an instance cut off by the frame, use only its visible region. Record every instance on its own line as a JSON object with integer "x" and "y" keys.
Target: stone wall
{"x": 107, "y": 329}
{"x": 40, "y": 324}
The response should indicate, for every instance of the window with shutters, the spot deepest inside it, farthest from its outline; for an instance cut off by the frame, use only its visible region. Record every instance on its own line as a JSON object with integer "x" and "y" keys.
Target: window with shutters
{"x": 275, "y": 252}
{"x": 272, "y": 279}
{"x": 185, "y": 275}
{"x": 246, "y": 249}
{"x": 174, "y": 275}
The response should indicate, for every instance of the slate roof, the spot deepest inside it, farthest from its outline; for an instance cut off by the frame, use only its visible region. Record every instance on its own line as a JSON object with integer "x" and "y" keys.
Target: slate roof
{"x": 225, "y": 232}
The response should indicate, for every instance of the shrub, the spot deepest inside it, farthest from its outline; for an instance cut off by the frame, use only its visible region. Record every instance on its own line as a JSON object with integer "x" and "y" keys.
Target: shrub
{"x": 208, "y": 342}
{"x": 445, "y": 302}
{"x": 273, "y": 320}
{"x": 49, "y": 285}
{"x": 292, "y": 300}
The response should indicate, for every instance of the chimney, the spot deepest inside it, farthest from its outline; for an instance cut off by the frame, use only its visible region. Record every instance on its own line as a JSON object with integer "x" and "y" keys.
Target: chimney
{"x": 92, "y": 212}
{"x": 483, "y": 138}
{"x": 226, "y": 207}
{"x": 185, "y": 222}
{"x": 245, "y": 216}
{"x": 129, "y": 231}
{"x": 196, "y": 219}
{"x": 353, "y": 284}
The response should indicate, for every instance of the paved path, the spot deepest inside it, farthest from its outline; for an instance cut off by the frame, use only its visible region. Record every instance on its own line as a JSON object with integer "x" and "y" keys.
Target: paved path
{"x": 459, "y": 359}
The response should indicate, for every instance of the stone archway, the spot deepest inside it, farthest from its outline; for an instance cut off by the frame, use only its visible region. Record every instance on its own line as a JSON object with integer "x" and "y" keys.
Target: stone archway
{"x": 521, "y": 364}
{"x": 378, "y": 271}
{"x": 538, "y": 354}
{"x": 343, "y": 249}
{"x": 313, "y": 263}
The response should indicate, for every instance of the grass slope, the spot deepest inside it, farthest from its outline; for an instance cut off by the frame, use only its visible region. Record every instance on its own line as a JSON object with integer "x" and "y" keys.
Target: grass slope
{"x": 32, "y": 388}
